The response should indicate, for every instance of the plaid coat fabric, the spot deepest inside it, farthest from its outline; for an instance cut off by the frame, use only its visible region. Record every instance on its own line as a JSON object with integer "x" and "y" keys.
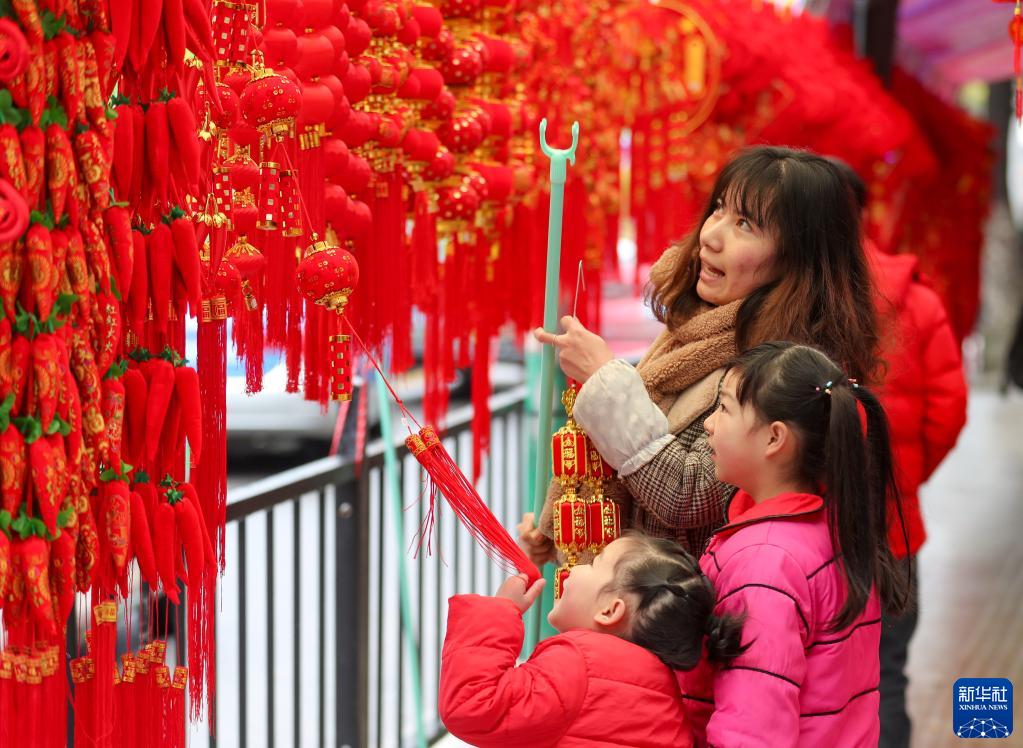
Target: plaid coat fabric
{"x": 683, "y": 468}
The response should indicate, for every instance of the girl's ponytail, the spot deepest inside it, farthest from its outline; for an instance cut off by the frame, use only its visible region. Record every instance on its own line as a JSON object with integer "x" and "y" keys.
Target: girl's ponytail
{"x": 724, "y": 638}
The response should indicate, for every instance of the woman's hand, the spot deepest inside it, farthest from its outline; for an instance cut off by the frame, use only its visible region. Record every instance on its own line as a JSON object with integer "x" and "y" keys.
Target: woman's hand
{"x": 514, "y": 589}
{"x": 537, "y": 546}
{"x": 580, "y": 351}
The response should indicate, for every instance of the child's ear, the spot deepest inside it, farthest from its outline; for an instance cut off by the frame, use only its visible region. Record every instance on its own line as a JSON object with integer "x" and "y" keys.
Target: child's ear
{"x": 780, "y": 439}
{"x": 612, "y": 614}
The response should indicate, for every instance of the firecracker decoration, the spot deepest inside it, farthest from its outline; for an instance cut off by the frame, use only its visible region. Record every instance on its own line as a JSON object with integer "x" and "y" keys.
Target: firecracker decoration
{"x": 580, "y": 525}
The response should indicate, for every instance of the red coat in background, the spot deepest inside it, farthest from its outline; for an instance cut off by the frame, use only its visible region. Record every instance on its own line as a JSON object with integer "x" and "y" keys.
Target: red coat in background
{"x": 924, "y": 390}
{"x": 580, "y": 688}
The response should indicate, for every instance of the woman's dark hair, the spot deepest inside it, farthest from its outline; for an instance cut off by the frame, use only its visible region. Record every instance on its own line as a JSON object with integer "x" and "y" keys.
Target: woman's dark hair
{"x": 674, "y": 604}
{"x": 853, "y": 180}
{"x": 802, "y": 387}
{"x": 821, "y": 291}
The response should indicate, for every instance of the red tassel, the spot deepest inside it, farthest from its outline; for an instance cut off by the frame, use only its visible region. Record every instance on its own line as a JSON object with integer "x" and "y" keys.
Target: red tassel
{"x": 471, "y": 510}
{"x": 104, "y": 638}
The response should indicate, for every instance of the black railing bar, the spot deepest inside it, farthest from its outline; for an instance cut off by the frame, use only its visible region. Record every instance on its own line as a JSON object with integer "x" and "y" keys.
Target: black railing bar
{"x": 322, "y": 500}
{"x": 271, "y": 682}
{"x": 242, "y": 638}
{"x": 296, "y": 652}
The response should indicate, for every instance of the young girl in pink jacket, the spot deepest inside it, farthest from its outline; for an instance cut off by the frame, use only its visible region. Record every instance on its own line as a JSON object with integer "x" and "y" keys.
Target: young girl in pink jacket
{"x": 803, "y": 553}
{"x": 640, "y": 609}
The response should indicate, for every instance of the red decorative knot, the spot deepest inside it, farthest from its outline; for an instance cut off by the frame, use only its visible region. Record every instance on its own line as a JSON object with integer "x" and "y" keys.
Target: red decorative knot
{"x": 462, "y": 67}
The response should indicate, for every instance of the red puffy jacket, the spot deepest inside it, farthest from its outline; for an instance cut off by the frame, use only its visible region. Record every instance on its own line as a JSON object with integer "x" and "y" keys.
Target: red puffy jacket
{"x": 580, "y": 688}
{"x": 924, "y": 390}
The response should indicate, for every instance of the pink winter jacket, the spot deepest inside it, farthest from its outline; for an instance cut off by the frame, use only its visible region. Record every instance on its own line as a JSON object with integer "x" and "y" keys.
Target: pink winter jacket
{"x": 580, "y": 689}
{"x": 798, "y": 684}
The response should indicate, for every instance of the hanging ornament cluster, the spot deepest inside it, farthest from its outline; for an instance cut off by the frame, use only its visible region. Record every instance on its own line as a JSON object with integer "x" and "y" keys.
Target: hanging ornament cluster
{"x": 581, "y": 525}
{"x": 99, "y": 265}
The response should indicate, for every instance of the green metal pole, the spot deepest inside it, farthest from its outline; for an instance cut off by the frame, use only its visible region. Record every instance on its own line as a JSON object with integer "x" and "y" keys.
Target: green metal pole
{"x": 545, "y": 407}
{"x": 559, "y": 169}
{"x": 392, "y": 490}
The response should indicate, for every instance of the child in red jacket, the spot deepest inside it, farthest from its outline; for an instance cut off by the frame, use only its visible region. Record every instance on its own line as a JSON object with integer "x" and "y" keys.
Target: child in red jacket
{"x": 640, "y": 609}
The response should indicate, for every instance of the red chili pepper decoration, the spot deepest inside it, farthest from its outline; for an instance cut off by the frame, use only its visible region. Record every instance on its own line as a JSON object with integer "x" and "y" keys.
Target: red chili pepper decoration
{"x": 47, "y": 377}
{"x": 96, "y": 255}
{"x": 95, "y": 167}
{"x": 78, "y": 273}
{"x": 186, "y": 391}
{"x": 165, "y": 545}
{"x": 92, "y": 89}
{"x": 135, "y": 396}
{"x": 5, "y": 566}
{"x": 116, "y": 503}
{"x": 186, "y": 260}
{"x": 122, "y": 24}
{"x": 83, "y": 364}
{"x": 160, "y": 257}
{"x": 42, "y": 466}
{"x": 86, "y": 550}
{"x": 21, "y": 360}
{"x": 12, "y": 263}
{"x": 28, "y": 19}
{"x": 174, "y": 27}
{"x": 123, "y": 162}
{"x": 33, "y": 149}
{"x": 28, "y": 90}
{"x": 190, "y": 495}
{"x": 181, "y": 124}
{"x": 138, "y": 174}
{"x": 113, "y": 417}
{"x": 106, "y": 330}
{"x": 13, "y": 468}
{"x": 190, "y": 532}
{"x": 158, "y": 148}
{"x": 37, "y": 294}
{"x": 34, "y": 559}
{"x": 142, "y": 540}
{"x": 118, "y": 225}
{"x": 103, "y": 46}
{"x": 138, "y": 296}
{"x": 12, "y": 162}
{"x": 70, "y": 76}
{"x": 59, "y": 241}
{"x": 60, "y": 164}
{"x": 69, "y": 408}
{"x": 160, "y": 383}
{"x": 6, "y": 377}
{"x": 62, "y": 572}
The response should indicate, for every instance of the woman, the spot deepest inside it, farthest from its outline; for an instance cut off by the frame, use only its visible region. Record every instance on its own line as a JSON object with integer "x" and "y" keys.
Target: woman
{"x": 777, "y": 257}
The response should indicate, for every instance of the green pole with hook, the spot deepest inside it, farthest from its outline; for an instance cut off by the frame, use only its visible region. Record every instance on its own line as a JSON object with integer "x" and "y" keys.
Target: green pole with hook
{"x": 560, "y": 157}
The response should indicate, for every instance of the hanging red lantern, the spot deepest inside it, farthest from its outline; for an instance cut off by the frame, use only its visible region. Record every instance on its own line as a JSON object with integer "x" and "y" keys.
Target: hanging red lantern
{"x": 271, "y": 101}
{"x": 357, "y": 175}
{"x": 280, "y": 46}
{"x": 357, "y": 37}
{"x": 230, "y": 108}
{"x": 285, "y": 12}
{"x": 327, "y": 275}
{"x": 335, "y": 158}
{"x": 315, "y": 55}
{"x": 317, "y": 103}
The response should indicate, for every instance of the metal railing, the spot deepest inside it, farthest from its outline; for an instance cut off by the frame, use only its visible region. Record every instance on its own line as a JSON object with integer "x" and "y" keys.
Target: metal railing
{"x": 309, "y": 632}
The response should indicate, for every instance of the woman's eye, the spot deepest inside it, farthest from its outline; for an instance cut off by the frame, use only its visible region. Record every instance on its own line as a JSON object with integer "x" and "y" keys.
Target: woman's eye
{"x": 744, "y": 224}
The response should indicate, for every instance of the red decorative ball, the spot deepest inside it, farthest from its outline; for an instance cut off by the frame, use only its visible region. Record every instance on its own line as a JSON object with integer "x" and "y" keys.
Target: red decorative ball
{"x": 410, "y": 88}
{"x": 360, "y": 220}
{"x": 430, "y": 81}
{"x": 428, "y": 18}
{"x": 439, "y": 47}
{"x": 238, "y": 79}
{"x": 286, "y": 12}
{"x": 357, "y": 37}
{"x": 389, "y": 130}
{"x": 342, "y": 111}
{"x": 244, "y": 218}
{"x": 460, "y": 8}
{"x": 357, "y": 129}
{"x": 441, "y": 166}
{"x": 335, "y": 204}
{"x": 458, "y": 202}
{"x": 230, "y": 106}
{"x": 315, "y": 55}
{"x": 336, "y": 38}
{"x": 269, "y": 99}
{"x": 244, "y": 134}
{"x": 476, "y": 181}
{"x": 279, "y": 47}
{"x": 461, "y": 135}
{"x": 317, "y": 103}
{"x": 462, "y": 67}
{"x": 243, "y": 172}
{"x": 357, "y": 176}
{"x": 357, "y": 83}
{"x": 335, "y": 158}
{"x": 442, "y": 107}
{"x": 409, "y": 33}
{"x": 327, "y": 275}
{"x": 420, "y": 145}
{"x": 341, "y": 65}
{"x": 341, "y": 15}
{"x": 318, "y": 13}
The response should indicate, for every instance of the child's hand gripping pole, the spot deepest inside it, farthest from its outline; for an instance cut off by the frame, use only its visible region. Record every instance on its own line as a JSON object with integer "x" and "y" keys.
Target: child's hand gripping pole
{"x": 559, "y": 157}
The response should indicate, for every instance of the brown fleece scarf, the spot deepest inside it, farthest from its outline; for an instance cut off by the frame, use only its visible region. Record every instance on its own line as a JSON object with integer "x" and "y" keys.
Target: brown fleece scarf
{"x": 682, "y": 356}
